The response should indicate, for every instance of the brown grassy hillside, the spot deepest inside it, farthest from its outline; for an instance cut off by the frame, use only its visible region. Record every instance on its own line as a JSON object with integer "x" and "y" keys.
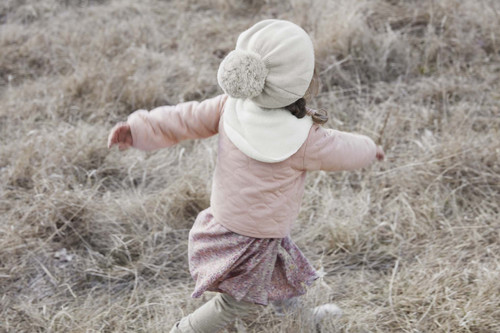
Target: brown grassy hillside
{"x": 94, "y": 240}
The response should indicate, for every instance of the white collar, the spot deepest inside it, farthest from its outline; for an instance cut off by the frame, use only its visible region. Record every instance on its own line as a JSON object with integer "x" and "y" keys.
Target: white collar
{"x": 267, "y": 135}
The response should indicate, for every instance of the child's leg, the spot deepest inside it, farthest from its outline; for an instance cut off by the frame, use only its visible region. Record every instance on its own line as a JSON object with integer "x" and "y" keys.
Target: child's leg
{"x": 294, "y": 305}
{"x": 287, "y": 306}
{"x": 311, "y": 317}
{"x": 214, "y": 315}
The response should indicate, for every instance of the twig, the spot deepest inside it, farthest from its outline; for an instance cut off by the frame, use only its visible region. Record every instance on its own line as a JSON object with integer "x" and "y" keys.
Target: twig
{"x": 391, "y": 283}
{"x": 381, "y": 133}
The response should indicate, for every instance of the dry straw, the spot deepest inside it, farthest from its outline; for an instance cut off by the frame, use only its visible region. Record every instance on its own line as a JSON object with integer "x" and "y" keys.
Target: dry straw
{"x": 96, "y": 240}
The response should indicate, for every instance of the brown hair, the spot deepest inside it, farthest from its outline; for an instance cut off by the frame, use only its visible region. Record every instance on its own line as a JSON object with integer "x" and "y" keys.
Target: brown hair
{"x": 299, "y": 109}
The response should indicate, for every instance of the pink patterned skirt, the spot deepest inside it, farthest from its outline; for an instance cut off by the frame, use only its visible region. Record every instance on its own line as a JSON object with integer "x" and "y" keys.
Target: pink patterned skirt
{"x": 257, "y": 270}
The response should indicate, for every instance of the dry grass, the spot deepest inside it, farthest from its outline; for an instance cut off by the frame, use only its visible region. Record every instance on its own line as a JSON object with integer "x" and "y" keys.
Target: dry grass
{"x": 93, "y": 240}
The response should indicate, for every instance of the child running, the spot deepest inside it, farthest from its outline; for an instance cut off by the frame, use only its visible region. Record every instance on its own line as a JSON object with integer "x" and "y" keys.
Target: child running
{"x": 240, "y": 247}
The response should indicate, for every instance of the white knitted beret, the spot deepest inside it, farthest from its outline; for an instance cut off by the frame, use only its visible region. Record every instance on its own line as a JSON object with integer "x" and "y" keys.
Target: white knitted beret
{"x": 272, "y": 64}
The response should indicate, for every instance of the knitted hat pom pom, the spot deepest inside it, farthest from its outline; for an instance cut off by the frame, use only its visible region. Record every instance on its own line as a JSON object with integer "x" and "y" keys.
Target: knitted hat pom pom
{"x": 242, "y": 74}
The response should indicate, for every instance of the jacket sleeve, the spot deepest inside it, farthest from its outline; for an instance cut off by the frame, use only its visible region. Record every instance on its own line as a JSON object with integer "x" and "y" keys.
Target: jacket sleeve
{"x": 332, "y": 150}
{"x": 167, "y": 125}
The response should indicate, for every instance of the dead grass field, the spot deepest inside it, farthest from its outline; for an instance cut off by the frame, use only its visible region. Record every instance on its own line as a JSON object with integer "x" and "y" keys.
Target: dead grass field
{"x": 93, "y": 240}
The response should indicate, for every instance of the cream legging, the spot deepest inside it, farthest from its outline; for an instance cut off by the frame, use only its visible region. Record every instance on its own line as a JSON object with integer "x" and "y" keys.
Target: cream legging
{"x": 214, "y": 315}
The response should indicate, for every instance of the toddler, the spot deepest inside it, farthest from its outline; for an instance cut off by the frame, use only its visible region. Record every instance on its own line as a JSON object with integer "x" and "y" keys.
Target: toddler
{"x": 240, "y": 246}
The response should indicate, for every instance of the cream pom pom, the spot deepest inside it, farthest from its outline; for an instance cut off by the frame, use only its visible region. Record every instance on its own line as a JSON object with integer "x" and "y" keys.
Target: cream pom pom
{"x": 242, "y": 74}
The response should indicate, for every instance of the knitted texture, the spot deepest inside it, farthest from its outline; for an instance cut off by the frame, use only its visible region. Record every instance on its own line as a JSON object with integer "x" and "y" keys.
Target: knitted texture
{"x": 276, "y": 60}
{"x": 242, "y": 74}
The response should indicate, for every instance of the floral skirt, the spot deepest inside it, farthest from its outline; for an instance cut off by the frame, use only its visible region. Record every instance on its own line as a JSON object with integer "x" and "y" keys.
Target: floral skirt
{"x": 257, "y": 270}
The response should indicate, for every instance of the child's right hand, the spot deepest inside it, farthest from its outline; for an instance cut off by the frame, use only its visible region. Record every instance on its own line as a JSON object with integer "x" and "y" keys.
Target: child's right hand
{"x": 120, "y": 135}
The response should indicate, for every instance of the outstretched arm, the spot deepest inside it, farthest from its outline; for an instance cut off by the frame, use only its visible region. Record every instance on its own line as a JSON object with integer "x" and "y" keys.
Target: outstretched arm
{"x": 333, "y": 150}
{"x": 167, "y": 125}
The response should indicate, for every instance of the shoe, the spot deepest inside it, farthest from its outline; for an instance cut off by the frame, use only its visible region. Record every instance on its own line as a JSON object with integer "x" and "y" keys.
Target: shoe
{"x": 328, "y": 309}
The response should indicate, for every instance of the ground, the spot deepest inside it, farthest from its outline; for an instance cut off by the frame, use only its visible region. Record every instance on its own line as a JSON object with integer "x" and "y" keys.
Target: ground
{"x": 96, "y": 240}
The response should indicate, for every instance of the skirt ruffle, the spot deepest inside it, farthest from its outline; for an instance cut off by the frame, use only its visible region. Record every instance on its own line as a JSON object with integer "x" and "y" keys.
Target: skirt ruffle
{"x": 257, "y": 270}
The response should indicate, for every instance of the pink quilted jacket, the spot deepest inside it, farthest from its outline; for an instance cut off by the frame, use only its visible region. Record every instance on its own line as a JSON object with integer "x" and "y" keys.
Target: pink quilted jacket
{"x": 250, "y": 197}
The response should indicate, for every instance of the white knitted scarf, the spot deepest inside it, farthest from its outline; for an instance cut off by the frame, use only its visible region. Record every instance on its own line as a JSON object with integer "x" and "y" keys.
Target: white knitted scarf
{"x": 267, "y": 135}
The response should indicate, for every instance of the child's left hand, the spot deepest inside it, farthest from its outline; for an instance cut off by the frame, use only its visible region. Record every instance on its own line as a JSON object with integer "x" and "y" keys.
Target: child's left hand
{"x": 120, "y": 135}
{"x": 380, "y": 155}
